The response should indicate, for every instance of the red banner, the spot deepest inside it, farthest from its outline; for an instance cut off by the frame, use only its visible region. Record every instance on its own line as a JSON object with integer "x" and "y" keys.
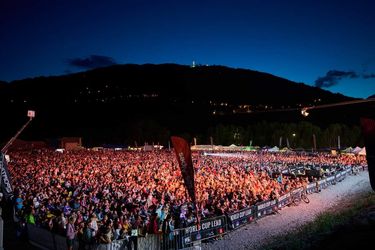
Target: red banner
{"x": 368, "y": 131}
{"x": 183, "y": 153}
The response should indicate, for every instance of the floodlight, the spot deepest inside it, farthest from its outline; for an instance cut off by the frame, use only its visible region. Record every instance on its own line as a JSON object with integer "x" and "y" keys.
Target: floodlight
{"x": 31, "y": 114}
{"x": 304, "y": 112}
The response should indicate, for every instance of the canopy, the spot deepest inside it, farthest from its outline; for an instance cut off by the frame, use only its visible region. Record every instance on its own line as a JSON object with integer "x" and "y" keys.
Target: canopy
{"x": 250, "y": 148}
{"x": 347, "y": 150}
{"x": 356, "y": 150}
{"x": 363, "y": 151}
{"x": 285, "y": 149}
{"x": 274, "y": 149}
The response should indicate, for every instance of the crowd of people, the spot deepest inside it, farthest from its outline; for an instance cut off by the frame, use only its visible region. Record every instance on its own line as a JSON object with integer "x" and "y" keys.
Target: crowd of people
{"x": 101, "y": 196}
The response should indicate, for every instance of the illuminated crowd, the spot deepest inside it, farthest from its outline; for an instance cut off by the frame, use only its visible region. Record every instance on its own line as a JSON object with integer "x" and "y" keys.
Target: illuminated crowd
{"x": 108, "y": 195}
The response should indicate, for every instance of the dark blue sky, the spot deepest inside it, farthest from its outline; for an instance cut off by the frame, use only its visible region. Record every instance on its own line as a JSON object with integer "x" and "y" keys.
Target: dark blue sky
{"x": 329, "y": 43}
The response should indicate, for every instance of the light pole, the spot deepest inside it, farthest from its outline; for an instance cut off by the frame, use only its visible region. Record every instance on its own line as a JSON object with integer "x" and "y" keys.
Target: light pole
{"x": 31, "y": 115}
{"x": 314, "y": 143}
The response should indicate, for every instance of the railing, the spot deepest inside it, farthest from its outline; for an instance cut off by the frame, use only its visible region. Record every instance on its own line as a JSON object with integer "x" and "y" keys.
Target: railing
{"x": 241, "y": 218}
{"x": 190, "y": 237}
{"x": 45, "y": 239}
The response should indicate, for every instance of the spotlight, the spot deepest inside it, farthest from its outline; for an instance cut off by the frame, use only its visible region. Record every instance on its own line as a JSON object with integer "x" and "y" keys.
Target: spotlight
{"x": 304, "y": 112}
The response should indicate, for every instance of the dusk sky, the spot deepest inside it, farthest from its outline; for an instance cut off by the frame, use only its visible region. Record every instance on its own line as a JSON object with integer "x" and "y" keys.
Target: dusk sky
{"x": 330, "y": 44}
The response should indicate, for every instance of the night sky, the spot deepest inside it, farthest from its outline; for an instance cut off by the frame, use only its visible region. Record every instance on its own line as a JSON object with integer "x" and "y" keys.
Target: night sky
{"x": 330, "y": 44}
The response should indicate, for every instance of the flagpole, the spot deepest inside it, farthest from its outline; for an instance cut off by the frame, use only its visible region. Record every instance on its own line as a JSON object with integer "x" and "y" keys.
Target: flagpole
{"x": 183, "y": 154}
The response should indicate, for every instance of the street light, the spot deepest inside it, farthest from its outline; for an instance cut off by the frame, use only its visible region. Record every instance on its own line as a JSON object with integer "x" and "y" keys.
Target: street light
{"x": 293, "y": 140}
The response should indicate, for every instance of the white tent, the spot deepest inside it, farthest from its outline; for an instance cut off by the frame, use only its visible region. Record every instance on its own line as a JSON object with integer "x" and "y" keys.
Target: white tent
{"x": 202, "y": 147}
{"x": 347, "y": 150}
{"x": 285, "y": 150}
{"x": 356, "y": 150}
{"x": 274, "y": 149}
{"x": 362, "y": 152}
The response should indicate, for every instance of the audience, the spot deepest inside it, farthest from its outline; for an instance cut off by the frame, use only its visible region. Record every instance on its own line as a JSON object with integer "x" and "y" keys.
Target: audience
{"x": 102, "y": 196}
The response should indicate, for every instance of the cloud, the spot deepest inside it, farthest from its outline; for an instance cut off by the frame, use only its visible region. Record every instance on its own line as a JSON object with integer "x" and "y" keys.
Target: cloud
{"x": 92, "y": 61}
{"x": 333, "y": 77}
{"x": 367, "y": 76}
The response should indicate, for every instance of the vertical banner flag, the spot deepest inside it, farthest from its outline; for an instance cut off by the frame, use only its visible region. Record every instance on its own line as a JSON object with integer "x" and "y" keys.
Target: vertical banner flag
{"x": 183, "y": 153}
{"x": 6, "y": 186}
{"x": 368, "y": 131}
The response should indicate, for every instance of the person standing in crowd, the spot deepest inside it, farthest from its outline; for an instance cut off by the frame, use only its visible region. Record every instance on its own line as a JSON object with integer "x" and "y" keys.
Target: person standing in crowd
{"x": 171, "y": 224}
{"x": 80, "y": 235}
{"x": 87, "y": 237}
{"x": 166, "y": 230}
{"x": 106, "y": 233}
{"x": 70, "y": 233}
{"x": 19, "y": 202}
{"x": 30, "y": 218}
{"x": 93, "y": 224}
{"x": 152, "y": 226}
{"x": 136, "y": 228}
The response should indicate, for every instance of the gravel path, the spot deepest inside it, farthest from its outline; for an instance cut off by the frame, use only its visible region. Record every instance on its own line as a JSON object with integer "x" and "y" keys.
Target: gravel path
{"x": 255, "y": 234}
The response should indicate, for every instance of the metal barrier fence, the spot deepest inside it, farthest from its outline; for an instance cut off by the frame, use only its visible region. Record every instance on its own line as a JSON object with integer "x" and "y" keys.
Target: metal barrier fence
{"x": 208, "y": 228}
{"x": 45, "y": 239}
{"x": 331, "y": 180}
{"x": 191, "y": 237}
{"x": 265, "y": 208}
{"x": 311, "y": 188}
{"x": 149, "y": 242}
{"x": 296, "y": 194}
{"x": 240, "y": 218}
{"x": 284, "y": 200}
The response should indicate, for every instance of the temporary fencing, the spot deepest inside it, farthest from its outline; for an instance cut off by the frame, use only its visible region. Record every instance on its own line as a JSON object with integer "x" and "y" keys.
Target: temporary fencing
{"x": 45, "y": 239}
{"x": 296, "y": 194}
{"x": 284, "y": 200}
{"x": 311, "y": 188}
{"x": 241, "y": 217}
{"x": 265, "y": 208}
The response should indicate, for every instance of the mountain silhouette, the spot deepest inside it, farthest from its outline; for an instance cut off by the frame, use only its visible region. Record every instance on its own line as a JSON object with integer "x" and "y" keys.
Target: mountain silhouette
{"x": 107, "y": 104}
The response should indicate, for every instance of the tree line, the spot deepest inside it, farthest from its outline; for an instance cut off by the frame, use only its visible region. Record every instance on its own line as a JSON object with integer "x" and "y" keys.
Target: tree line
{"x": 297, "y": 135}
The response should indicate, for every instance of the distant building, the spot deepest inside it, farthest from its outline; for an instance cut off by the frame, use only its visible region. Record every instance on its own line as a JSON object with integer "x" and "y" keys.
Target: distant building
{"x": 71, "y": 143}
